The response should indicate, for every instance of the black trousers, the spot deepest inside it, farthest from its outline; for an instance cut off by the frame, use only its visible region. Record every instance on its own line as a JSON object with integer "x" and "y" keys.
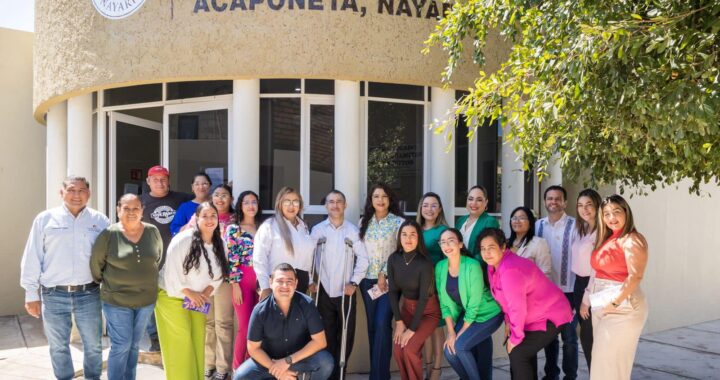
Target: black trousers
{"x": 586, "y": 331}
{"x": 523, "y": 358}
{"x": 332, "y": 315}
{"x": 303, "y": 281}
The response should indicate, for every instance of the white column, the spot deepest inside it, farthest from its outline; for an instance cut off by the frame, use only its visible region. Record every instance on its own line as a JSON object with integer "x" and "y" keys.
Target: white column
{"x": 347, "y": 146}
{"x": 79, "y": 136}
{"x": 246, "y": 136}
{"x": 55, "y": 153}
{"x": 513, "y": 184}
{"x": 441, "y": 161}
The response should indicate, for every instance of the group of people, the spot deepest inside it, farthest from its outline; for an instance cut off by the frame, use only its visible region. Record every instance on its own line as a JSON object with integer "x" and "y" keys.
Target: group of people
{"x": 183, "y": 268}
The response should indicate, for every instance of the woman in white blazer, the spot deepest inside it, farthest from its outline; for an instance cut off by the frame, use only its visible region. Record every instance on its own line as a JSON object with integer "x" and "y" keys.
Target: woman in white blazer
{"x": 524, "y": 242}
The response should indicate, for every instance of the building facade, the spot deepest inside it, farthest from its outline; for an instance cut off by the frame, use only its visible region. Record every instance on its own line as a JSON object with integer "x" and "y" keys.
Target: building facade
{"x": 314, "y": 94}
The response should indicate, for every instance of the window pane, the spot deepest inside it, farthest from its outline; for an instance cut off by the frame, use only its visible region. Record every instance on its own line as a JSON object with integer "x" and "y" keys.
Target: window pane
{"x": 461, "y": 162}
{"x": 397, "y": 91}
{"x": 320, "y": 86}
{"x": 198, "y": 142}
{"x": 133, "y": 94}
{"x": 279, "y": 147}
{"x": 395, "y": 149}
{"x": 322, "y": 153}
{"x": 280, "y": 86}
{"x": 197, "y": 89}
{"x": 488, "y": 162}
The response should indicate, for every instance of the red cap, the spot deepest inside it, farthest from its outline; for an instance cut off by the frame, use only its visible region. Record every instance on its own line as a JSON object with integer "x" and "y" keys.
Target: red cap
{"x": 158, "y": 170}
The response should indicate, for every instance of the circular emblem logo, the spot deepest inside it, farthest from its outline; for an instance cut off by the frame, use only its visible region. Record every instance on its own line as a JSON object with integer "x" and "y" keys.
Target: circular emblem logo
{"x": 117, "y": 9}
{"x": 163, "y": 214}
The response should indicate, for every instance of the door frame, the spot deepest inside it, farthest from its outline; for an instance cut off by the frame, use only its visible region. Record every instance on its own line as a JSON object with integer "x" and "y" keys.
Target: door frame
{"x": 113, "y": 118}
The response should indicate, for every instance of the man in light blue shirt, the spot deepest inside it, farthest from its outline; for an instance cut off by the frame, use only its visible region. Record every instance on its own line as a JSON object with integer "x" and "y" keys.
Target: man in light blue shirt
{"x": 344, "y": 264}
{"x": 55, "y": 272}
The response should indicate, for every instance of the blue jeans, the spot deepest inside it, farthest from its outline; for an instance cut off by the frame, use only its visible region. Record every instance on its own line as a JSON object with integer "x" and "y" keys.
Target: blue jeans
{"x": 152, "y": 327}
{"x": 317, "y": 367}
{"x": 570, "y": 349}
{"x": 125, "y": 327}
{"x": 379, "y": 323}
{"x": 57, "y": 309}
{"x": 473, "y": 349}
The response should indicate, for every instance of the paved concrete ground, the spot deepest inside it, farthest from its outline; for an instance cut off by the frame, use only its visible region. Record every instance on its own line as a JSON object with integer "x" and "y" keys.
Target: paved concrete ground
{"x": 691, "y": 352}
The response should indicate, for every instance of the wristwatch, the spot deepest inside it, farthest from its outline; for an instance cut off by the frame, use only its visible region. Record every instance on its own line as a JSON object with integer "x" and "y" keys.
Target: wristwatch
{"x": 614, "y": 304}
{"x": 288, "y": 359}
{"x": 353, "y": 284}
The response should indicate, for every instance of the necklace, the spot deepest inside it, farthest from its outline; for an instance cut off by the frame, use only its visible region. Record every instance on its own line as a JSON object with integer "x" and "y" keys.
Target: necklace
{"x": 408, "y": 262}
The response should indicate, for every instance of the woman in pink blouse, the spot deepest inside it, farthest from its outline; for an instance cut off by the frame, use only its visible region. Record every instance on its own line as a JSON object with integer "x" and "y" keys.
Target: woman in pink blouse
{"x": 535, "y": 308}
{"x": 239, "y": 240}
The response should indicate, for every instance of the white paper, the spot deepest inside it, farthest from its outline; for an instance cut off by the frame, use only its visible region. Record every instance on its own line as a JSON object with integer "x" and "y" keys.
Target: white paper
{"x": 375, "y": 292}
{"x": 600, "y": 299}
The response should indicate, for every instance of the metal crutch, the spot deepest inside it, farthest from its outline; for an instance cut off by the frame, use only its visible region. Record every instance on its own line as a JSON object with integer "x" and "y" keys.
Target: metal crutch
{"x": 346, "y": 317}
{"x": 320, "y": 247}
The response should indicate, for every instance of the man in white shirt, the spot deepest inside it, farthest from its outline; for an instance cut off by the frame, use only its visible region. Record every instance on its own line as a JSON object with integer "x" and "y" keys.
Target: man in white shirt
{"x": 557, "y": 229}
{"x": 56, "y": 263}
{"x": 338, "y": 275}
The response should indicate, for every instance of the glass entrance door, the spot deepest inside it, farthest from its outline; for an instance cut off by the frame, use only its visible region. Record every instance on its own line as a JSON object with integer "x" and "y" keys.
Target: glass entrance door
{"x": 135, "y": 145}
{"x": 197, "y": 142}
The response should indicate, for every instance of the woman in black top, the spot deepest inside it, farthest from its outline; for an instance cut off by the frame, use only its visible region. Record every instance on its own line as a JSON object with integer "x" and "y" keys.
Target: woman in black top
{"x": 411, "y": 275}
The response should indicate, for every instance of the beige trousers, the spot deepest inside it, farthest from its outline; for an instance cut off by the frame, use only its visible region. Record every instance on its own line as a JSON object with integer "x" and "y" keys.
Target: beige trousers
{"x": 616, "y": 336}
{"x": 219, "y": 330}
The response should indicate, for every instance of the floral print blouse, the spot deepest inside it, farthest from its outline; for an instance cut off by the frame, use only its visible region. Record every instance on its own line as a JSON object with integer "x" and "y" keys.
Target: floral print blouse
{"x": 239, "y": 251}
{"x": 381, "y": 241}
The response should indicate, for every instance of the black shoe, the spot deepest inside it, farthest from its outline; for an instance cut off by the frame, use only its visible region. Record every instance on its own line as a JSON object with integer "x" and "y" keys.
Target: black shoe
{"x": 209, "y": 373}
{"x": 220, "y": 376}
{"x": 154, "y": 345}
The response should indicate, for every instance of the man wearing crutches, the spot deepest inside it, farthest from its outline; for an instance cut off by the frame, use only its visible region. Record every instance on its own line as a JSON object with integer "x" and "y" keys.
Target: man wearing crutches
{"x": 340, "y": 265}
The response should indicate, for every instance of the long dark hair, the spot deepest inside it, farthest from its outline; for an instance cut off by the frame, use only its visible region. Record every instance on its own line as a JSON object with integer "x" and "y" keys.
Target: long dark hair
{"x": 421, "y": 249}
{"x": 582, "y": 226}
{"x": 369, "y": 210}
{"x": 531, "y": 232}
{"x": 239, "y": 216}
{"x": 197, "y": 247}
{"x": 458, "y": 235}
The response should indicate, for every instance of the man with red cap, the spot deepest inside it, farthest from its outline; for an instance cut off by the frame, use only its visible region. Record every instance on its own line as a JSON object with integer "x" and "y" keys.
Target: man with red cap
{"x": 160, "y": 205}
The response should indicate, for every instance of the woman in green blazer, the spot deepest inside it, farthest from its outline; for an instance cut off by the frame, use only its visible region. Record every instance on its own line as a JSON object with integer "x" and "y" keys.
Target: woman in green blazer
{"x": 467, "y": 305}
{"x": 478, "y": 219}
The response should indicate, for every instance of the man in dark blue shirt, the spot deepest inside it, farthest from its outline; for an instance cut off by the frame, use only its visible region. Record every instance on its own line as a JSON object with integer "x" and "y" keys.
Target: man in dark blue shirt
{"x": 285, "y": 336}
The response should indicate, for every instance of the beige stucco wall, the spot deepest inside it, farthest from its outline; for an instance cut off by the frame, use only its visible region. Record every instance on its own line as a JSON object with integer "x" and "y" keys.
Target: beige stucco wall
{"x": 683, "y": 274}
{"x": 78, "y": 50}
{"x": 22, "y": 162}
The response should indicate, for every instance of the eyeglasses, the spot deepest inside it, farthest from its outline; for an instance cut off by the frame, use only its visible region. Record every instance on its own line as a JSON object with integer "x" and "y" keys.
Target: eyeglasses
{"x": 288, "y": 202}
{"x": 222, "y": 196}
{"x": 249, "y": 203}
{"x": 519, "y": 218}
{"x": 447, "y": 242}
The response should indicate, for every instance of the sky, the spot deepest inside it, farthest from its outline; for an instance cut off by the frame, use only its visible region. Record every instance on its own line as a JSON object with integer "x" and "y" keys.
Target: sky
{"x": 17, "y": 14}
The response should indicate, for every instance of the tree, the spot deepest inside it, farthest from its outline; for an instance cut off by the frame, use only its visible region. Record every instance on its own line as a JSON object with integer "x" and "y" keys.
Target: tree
{"x": 627, "y": 91}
